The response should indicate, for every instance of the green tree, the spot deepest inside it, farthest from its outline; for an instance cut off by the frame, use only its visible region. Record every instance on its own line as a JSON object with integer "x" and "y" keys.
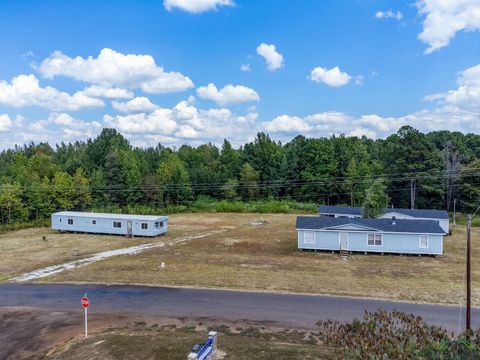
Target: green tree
{"x": 229, "y": 189}
{"x": 411, "y": 158}
{"x": 82, "y": 188}
{"x": 39, "y": 197}
{"x": 64, "y": 192}
{"x": 174, "y": 181}
{"x": 11, "y": 205}
{"x": 265, "y": 156}
{"x": 376, "y": 199}
{"x": 248, "y": 184}
{"x": 469, "y": 188}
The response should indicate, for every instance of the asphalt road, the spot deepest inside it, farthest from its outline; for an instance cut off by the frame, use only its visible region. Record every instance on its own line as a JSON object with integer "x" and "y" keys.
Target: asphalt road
{"x": 299, "y": 311}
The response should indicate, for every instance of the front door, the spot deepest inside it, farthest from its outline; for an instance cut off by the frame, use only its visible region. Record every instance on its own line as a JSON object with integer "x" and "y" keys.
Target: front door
{"x": 343, "y": 241}
{"x": 129, "y": 228}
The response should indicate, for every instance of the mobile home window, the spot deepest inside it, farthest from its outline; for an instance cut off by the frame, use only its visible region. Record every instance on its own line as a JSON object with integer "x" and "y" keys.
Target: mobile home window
{"x": 94, "y": 222}
{"x": 70, "y": 221}
{"x": 309, "y": 237}
{"x": 144, "y": 226}
{"x": 424, "y": 241}
{"x": 374, "y": 240}
{"x": 60, "y": 220}
{"x": 158, "y": 224}
{"x": 117, "y": 224}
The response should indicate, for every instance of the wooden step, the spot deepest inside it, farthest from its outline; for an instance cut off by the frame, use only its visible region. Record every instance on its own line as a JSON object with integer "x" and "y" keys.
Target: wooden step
{"x": 343, "y": 253}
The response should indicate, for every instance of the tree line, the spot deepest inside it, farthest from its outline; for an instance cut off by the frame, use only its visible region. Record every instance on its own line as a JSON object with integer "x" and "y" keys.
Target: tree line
{"x": 427, "y": 170}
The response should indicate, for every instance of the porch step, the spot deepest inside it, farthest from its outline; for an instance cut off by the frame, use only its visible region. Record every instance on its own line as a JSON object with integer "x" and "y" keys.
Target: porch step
{"x": 344, "y": 253}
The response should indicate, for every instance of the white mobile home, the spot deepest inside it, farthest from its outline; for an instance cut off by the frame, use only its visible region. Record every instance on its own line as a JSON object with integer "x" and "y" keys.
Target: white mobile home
{"x": 116, "y": 224}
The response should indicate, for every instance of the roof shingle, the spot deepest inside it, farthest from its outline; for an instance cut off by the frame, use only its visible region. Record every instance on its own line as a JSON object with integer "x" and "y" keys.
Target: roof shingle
{"x": 384, "y": 225}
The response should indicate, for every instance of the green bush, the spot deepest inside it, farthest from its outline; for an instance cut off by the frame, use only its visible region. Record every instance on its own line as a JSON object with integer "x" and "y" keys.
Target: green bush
{"x": 392, "y": 335}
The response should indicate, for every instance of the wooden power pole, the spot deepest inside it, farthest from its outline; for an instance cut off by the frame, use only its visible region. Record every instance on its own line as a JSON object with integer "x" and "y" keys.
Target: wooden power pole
{"x": 454, "y": 213}
{"x": 468, "y": 313}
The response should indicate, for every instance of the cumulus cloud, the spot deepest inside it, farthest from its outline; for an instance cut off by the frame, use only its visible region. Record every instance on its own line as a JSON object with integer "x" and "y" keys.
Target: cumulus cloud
{"x": 389, "y": 14}
{"x": 25, "y": 90}
{"x": 467, "y": 94}
{"x": 443, "y": 19}
{"x": 185, "y": 121}
{"x": 112, "y": 69}
{"x": 272, "y": 57}
{"x": 332, "y": 77}
{"x": 196, "y": 6}
{"x": 136, "y": 105}
{"x": 5, "y": 123}
{"x": 323, "y": 124}
{"x": 228, "y": 95}
{"x": 107, "y": 92}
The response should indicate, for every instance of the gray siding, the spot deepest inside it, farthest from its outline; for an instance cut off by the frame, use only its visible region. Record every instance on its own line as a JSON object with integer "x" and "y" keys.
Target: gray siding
{"x": 105, "y": 225}
{"x": 323, "y": 240}
{"x": 358, "y": 241}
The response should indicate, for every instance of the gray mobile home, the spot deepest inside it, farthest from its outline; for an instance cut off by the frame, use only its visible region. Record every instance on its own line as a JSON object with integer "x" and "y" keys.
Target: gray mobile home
{"x": 370, "y": 235}
{"x": 116, "y": 224}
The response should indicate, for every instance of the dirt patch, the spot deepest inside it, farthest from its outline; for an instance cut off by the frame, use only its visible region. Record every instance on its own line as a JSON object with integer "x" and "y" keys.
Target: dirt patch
{"x": 28, "y": 333}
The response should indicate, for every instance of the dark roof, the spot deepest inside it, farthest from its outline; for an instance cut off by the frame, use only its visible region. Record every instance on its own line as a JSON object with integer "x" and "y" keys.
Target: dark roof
{"x": 418, "y": 213}
{"x": 340, "y": 209}
{"x": 386, "y": 225}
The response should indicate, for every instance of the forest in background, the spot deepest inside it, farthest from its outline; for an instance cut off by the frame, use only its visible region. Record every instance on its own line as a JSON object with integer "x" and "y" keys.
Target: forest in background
{"x": 108, "y": 174}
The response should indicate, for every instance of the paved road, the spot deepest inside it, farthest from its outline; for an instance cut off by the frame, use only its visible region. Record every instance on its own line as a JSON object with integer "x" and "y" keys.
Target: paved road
{"x": 301, "y": 311}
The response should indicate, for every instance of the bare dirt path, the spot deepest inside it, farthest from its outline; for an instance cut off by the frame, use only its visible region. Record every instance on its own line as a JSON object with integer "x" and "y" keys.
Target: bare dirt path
{"x": 55, "y": 269}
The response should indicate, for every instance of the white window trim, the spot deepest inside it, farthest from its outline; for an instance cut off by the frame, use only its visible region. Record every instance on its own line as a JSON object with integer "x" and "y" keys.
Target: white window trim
{"x": 312, "y": 242}
{"x": 420, "y": 242}
{"x": 116, "y": 227}
{"x": 68, "y": 222}
{"x": 374, "y": 245}
{"x": 146, "y": 226}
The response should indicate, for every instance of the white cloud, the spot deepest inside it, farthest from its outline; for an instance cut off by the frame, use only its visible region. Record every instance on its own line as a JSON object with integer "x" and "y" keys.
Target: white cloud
{"x": 332, "y": 77}
{"x": 5, "y": 123}
{"x": 136, "y": 105}
{"x": 245, "y": 67}
{"x": 112, "y": 69}
{"x": 389, "y": 14}
{"x": 107, "y": 92}
{"x": 25, "y": 90}
{"x": 272, "y": 57}
{"x": 56, "y": 128}
{"x": 196, "y": 6}
{"x": 287, "y": 124}
{"x": 360, "y": 131}
{"x": 467, "y": 94}
{"x": 185, "y": 122}
{"x": 326, "y": 124}
{"x": 443, "y": 19}
{"x": 229, "y": 94}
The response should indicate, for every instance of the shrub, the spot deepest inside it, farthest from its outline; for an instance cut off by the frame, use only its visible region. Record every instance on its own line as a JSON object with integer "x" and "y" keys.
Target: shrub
{"x": 397, "y": 335}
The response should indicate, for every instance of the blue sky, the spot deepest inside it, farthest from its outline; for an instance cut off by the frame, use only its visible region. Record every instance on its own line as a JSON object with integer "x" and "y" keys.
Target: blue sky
{"x": 359, "y": 67}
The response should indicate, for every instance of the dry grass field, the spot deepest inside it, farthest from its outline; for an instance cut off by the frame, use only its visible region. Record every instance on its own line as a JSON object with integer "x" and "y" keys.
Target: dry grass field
{"x": 253, "y": 257}
{"x": 170, "y": 342}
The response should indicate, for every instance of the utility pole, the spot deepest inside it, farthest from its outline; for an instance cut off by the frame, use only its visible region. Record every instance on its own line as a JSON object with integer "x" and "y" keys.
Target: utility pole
{"x": 468, "y": 313}
{"x": 454, "y": 213}
{"x": 413, "y": 188}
